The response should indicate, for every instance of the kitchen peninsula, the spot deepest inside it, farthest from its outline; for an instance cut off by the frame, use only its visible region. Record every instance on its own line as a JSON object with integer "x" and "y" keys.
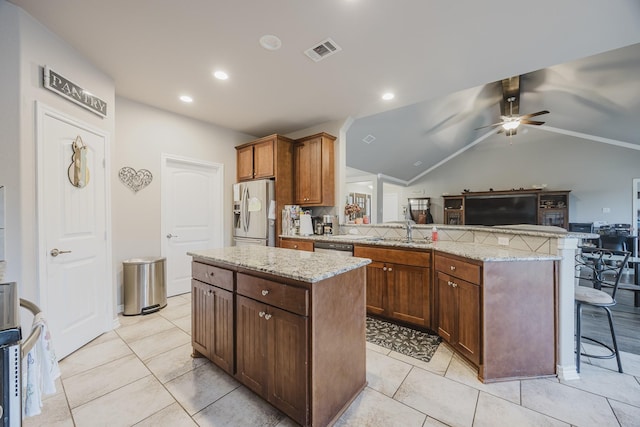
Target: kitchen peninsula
{"x": 521, "y": 277}
{"x": 287, "y": 324}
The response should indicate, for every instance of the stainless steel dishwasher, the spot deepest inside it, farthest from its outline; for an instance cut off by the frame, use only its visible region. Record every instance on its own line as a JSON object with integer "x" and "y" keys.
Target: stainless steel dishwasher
{"x": 340, "y": 249}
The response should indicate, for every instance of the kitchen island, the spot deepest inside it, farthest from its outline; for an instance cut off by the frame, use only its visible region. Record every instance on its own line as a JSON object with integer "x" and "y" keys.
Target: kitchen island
{"x": 289, "y": 325}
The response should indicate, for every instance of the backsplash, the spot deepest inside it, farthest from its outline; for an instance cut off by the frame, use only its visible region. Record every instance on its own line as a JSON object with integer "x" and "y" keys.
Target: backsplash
{"x": 537, "y": 241}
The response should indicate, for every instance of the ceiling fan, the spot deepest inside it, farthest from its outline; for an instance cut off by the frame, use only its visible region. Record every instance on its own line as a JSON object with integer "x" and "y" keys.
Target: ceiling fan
{"x": 510, "y": 123}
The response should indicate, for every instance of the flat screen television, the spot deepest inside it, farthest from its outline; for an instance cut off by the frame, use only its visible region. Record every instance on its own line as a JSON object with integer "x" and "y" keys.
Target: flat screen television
{"x": 501, "y": 209}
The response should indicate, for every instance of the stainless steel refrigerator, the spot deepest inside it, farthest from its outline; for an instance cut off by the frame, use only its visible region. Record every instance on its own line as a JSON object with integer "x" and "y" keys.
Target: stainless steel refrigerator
{"x": 254, "y": 213}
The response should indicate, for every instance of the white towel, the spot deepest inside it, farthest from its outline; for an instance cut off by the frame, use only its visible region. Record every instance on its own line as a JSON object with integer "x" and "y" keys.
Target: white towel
{"x": 39, "y": 370}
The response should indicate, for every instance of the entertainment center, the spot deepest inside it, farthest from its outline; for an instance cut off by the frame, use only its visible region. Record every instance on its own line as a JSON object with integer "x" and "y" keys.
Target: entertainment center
{"x": 522, "y": 206}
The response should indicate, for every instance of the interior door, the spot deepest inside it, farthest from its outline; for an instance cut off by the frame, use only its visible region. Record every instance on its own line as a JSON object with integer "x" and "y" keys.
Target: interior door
{"x": 75, "y": 280}
{"x": 192, "y": 202}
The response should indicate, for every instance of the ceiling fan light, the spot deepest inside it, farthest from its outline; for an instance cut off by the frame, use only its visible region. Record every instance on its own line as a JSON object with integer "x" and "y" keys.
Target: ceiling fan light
{"x": 512, "y": 124}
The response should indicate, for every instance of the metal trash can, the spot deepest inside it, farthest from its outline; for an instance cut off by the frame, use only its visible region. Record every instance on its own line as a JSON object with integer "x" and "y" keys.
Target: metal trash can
{"x": 144, "y": 281}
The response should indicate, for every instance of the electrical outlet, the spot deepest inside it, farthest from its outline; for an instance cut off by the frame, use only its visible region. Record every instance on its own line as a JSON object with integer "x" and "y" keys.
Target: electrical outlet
{"x": 606, "y": 210}
{"x": 504, "y": 241}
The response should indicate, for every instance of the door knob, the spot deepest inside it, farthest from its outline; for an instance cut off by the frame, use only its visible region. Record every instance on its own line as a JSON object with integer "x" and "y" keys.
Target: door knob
{"x": 55, "y": 252}
{"x": 169, "y": 236}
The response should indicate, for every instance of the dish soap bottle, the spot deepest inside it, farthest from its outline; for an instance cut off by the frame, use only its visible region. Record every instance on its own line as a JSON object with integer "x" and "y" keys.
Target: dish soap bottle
{"x": 434, "y": 234}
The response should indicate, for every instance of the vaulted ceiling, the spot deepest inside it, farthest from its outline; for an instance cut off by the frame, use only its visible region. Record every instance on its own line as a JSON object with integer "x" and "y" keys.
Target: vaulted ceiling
{"x": 445, "y": 61}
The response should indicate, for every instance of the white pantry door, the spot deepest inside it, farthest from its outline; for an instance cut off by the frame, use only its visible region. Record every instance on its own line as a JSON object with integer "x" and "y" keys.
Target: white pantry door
{"x": 75, "y": 285}
{"x": 192, "y": 212}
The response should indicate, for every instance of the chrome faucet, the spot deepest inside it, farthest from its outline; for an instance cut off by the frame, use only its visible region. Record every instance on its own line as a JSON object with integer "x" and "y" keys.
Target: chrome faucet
{"x": 410, "y": 224}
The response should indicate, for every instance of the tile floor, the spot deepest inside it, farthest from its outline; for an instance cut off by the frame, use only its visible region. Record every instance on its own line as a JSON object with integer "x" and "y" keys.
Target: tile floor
{"x": 142, "y": 374}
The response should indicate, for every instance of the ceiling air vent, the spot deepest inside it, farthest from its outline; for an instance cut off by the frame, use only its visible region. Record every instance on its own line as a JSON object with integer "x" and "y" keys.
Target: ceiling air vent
{"x": 323, "y": 49}
{"x": 369, "y": 139}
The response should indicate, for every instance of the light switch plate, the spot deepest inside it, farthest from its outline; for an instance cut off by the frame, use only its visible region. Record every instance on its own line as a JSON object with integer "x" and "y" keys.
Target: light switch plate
{"x": 504, "y": 241}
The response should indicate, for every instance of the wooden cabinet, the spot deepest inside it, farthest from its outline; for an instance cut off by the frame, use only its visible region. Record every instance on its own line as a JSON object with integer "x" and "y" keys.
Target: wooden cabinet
{"x": 453, "y": 210}
{"x": 398, "y": 284}
{"x": 212, "y": 315}
{"x": 553, "y": 208}
{"x": 458, "y": 300}
{"x": 270, "y": 157}
{"x": 272, "y": 356}
{"x": 300, "y": 245}
{"x": 498, "y": 315}
{"x": 314, "y": 170}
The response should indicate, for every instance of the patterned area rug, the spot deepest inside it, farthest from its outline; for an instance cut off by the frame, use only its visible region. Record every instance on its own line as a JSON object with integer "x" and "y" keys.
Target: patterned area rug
{"x": 417, "y": 344}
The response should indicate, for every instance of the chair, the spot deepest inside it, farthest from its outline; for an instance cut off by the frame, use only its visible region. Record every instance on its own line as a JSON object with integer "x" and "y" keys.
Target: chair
{"x": 603, "y": 264}
{"x": 614, "y": 243}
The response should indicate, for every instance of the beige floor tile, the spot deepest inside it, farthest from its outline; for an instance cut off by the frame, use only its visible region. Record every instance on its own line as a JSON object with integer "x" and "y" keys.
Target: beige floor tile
{"x": 171, "y": 416}
{"x": 495, "y": 412}
{"x": 447, "y": 401}
{"x": 460, "y": 371}
{"x": 432, "y": 422}
{"x": 99, "y": 381}
{"x": 125, "y": 406}
{"x": 377, "y": 348}
{"x": 183, "y": 323}
{"x": 438, "y": 364}
{"x": 93, "y": 356}
{"x": 132, "y": 320}
{"x": 628, "y": 416}
{"x": 373, "y": 409}
{"x": 159, "y": 343}
{"x": 566, "y": 403}
{"x": 630, "y": 362}
{"x": 176, "y": 309}
{"x": 173, "y": 363}
{"x": 241, "y": 407}
{"x": 611, "y": 384}
{"x": 144, "y": 327}
{"x": 55, "y": 413}
{"x": 287, "y": 422}
{"x": 199, "y": 388}
{"x": 385, "y": 374}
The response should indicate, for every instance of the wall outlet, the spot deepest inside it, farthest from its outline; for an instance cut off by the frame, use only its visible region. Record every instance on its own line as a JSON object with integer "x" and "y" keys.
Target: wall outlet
{"x": 606, "y": 210}
{"x": 504, "y": 241}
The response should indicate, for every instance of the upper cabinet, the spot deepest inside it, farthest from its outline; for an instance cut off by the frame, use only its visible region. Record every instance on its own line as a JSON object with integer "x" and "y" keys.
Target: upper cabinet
{"x": 314, "y": 170}
{"x": 263, "y": 158}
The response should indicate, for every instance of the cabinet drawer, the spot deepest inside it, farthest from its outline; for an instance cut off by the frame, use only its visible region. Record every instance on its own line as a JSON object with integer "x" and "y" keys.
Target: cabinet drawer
{"x": 301, "y": 245}
{"x": 279, "y": 295}
{"x": 212, "y": 275}
{"x": 396, "y": 256}
{"x": 455, "y": 267}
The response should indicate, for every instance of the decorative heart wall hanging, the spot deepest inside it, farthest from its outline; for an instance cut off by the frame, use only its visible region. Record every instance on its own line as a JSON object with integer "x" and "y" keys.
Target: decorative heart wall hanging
{"x": 135, "y": 180}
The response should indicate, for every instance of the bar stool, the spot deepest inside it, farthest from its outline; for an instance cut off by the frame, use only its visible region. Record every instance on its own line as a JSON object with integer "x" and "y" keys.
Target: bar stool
{"x": 603, "y": 264}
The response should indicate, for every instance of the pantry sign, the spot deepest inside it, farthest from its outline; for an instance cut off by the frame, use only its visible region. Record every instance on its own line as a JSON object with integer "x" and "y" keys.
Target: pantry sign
{"x": 65, "y": 88}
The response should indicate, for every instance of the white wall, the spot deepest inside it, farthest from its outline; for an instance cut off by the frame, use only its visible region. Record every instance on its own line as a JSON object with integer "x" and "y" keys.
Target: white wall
{"x": 144, "y": 133}
{"x": 599, "y": 175}
{"x": 36, "y": 47}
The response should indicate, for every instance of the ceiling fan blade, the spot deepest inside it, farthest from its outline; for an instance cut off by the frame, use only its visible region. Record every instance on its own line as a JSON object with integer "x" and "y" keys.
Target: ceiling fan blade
{"x": 488, "y": 126}
{"x": 539, "y": 113}
{"x": 531, "y": 122}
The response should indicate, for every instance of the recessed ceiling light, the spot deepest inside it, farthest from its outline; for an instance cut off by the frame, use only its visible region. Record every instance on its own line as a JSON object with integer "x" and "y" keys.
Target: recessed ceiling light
{"x": 186, "y": 98}
{"x": 270, "y": 42}
{"x": 220, "y": 75}
{"x": 388, "y": 96}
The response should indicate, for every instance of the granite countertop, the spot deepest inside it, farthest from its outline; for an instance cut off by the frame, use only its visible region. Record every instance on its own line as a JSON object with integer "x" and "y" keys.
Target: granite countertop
{"x": 304, "y": 266}
{"x": 469, "y": 250}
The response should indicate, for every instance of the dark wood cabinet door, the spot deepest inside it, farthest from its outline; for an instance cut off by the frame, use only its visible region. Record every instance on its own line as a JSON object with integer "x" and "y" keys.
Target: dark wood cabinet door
{"x": 446, "y": 307}
{"x": 201, "y": 315}
{"x": 409, "y": 294}
{"x": 244, "y": 163}
{"x": 287, "y": 362}
{"x": 468, "y": 338}
{"x": 263, "y": 160}
{"x": 221, "y": 348}
{"x": 376, "y": 288}
{"x": 251, "y": 344}
{"x": 308, "y": 172}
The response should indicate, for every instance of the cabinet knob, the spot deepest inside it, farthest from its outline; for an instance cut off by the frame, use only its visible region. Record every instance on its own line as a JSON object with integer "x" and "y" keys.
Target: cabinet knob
{"x": 212, "y": 274}
{"x": 454, "y": 284}
{"x": 384, "y": 268}
{"x": 267, "y": 316}
{"x": 390, "y": 269}
{"x": 264, "y": 292}
{"x": 295, "y": 246}
{"x": 449, "y": 282}
{"x": 261, "y": 314}
{"x": 452, "y": 267}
